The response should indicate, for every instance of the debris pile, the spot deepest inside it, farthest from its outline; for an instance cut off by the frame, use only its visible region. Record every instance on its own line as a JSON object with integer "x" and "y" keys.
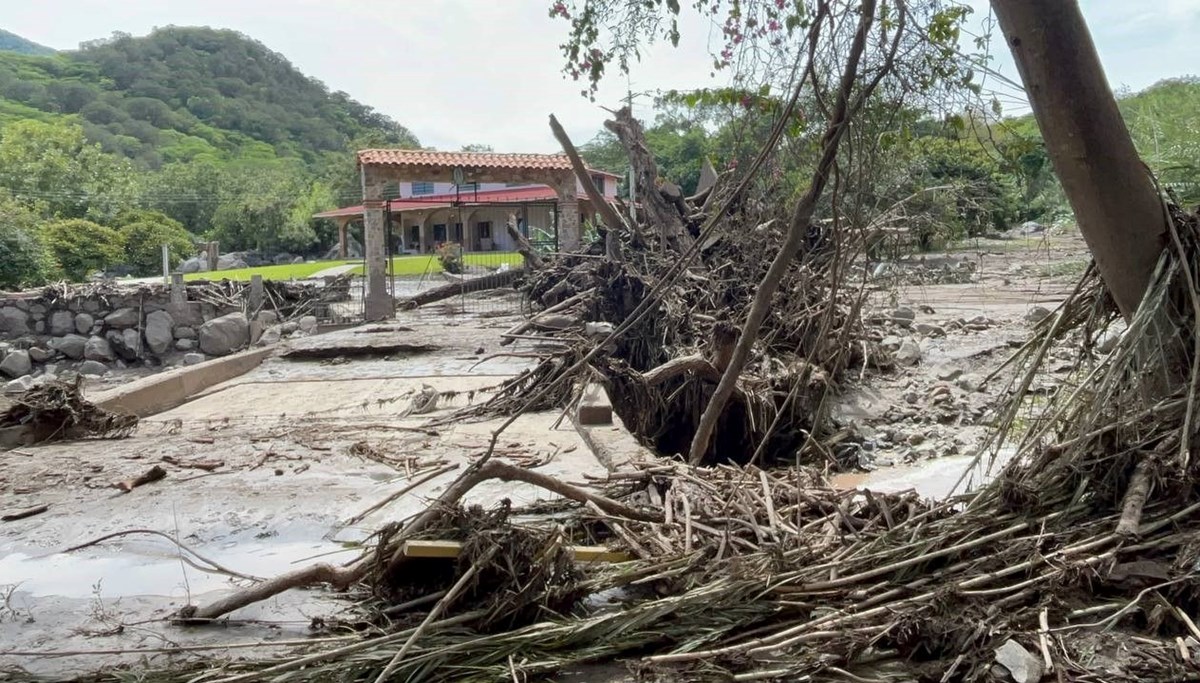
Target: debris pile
{"x": 57, "y": 411}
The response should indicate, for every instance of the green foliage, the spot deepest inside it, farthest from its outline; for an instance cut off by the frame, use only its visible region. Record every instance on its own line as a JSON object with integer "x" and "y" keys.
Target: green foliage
{"x": 81, "y": 247}
{"x": 24, "y": 260}
{"x": 11, "y": 42}
{"x": 144, "y": 232}
{"x": 1164, "y": 121}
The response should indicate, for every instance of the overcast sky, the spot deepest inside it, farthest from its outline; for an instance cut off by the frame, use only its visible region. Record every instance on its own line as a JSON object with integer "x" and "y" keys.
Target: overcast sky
{"x": 487, "y": 71}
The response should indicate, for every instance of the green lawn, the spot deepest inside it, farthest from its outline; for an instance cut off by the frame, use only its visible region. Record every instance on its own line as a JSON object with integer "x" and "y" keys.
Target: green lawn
{"x": 401, "y": 265}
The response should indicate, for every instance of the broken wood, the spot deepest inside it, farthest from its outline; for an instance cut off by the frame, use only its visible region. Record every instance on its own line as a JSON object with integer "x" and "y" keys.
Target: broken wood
{"x": 523, "y": 326}
{"x": 1134, "y": 501}
{"x": 148, "y": 477}
{"x": 206, "y": 465}
{"x": 452, "y": 549}
{"x": 24, "y": 514}
{"x": 607, "y": 213}
{"x": 478, "y": 284}
{"x": 658, "y": 210}
{"x": 533, "y": 260}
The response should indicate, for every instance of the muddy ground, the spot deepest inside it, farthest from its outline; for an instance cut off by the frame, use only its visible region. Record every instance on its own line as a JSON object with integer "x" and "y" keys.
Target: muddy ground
{"x": 283, "y": 465}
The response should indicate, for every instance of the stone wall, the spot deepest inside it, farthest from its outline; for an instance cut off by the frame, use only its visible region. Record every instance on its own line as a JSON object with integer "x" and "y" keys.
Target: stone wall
{"x": 90, "y": 331}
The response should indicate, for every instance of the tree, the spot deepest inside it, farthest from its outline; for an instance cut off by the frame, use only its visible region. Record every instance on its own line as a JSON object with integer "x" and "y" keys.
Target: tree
{"x": 24, "y": 260}
{"x": 1116, "y": 205}
{"x": 144, "y": 233}
{"x": 82, "y": 247}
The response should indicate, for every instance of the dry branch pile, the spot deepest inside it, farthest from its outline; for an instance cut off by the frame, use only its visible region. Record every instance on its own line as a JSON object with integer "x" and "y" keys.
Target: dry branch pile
{"x": 57, "y": 411}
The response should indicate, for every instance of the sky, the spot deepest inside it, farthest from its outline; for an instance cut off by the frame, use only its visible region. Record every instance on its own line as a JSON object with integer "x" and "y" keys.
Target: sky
{"x": 460, "y": 72}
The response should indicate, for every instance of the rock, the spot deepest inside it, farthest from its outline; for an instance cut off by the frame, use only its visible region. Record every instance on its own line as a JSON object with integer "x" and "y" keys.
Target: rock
{"x": 903, "y": 316}
{"x": 1108, "y": 342}
{"x": 61, "y": 322}
{"x": 271, "y": 335}
{"x": 16, "y": 364}
{"x": 196, "y": 264}
{"x": 185, "y": 332}
{"x": 284, "y": 258}
{"x": 1021, "y": 664}
{"x": 185, "y": 344}
{"x": 979, "y": 321}
{"x": 97, "y": 348}
{"x": 948, "y": 373}
{"x": 39, "y": 355}
{"x": 298, "y": 260}
{"x": 72, "y": 346}
{"x": 122, "y": 317}
{"x": 50, "y": 369}
{"x": 267, "y": 318}
{"x": 230, "y": 262}
{"x": 968, "y": 384}
{"x": 929, "y": 330}
{"x": 124, "y": 343}
{"x": 1037, "y": 314}
{"x": 92, "y": 367}
{"x": 891, "y": 342}
{"x": 597, "y": 330}
{"x": 909, "y": 352}
{"x": 916, "y": 439}
{"x": 290, "y": 327}
{"x": 308, "y": 324}
{"x": 224, "y": 335}
{"x": 159, "y": 335}
{"x": 912, "y": 398}
{"x": 19, "y": 385}
{"x": 193, "y": 358}
{"x": 91, "y": 306}
{"x": 84, "y": 322}
{"x": 13, "y": 322}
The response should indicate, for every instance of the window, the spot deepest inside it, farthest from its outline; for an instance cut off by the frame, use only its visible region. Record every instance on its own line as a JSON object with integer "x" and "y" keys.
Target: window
{"x": 599, "y": 181}
{"x": 458, "y": 232}
{"x": 422, "y": 188}
{"x": 439, "y": 232}
{"x": 485, "y": 229}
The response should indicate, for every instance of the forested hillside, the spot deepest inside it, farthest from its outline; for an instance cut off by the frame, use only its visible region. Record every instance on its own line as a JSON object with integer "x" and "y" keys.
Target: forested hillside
{"x": 185, "y": 135}
{"x": 11, "y": 42}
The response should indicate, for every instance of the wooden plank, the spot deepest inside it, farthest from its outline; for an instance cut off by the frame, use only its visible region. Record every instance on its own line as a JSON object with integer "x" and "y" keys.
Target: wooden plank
{"x": 451, "y": 549}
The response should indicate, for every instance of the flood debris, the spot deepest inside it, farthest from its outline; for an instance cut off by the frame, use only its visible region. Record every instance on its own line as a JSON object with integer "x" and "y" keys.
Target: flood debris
{"x": 57, "y": 411}
{"x": 150, "y": 476}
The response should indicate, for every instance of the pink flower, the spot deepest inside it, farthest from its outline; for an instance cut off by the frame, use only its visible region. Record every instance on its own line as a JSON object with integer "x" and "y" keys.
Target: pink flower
{"x": 780, "y": 3}
{"x": 773, "y": 25}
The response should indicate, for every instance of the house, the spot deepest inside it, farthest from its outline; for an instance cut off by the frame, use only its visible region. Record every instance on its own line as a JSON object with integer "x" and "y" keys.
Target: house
{"x": 423, "y": 214}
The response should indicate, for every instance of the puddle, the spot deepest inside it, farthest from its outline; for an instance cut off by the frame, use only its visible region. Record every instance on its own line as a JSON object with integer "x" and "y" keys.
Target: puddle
{"x": 151, "y": 566}
{"x": 931, "y": 478}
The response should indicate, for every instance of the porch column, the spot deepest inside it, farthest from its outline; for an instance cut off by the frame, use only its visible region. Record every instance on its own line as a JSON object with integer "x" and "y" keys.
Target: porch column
{"x": 569, "y": 236}
{"x": 342, "y": 224}
{"x": 378, "y": 303}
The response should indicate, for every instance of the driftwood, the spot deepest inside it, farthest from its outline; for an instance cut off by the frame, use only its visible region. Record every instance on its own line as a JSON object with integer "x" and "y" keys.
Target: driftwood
{"x": 449, "y": 291}
{"x": 533, "y": 260}
{"x": 525, "y": 325}
{"x": 658, "y": 210}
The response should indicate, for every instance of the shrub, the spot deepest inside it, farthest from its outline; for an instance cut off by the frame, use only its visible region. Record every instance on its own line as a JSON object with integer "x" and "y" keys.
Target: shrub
{"x": 24, "y": 260}
{"x": 144, "y": 233}
{"x": 450, "y": 255}
{"x": 81, "y": 247}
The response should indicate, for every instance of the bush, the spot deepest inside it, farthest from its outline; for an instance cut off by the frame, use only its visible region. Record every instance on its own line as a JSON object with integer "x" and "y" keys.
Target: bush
{"x": 450, "y": 255}
{"x": 81, "y": 247}
{"x": 24, "y": 260}
{"x": 144, "y": 240}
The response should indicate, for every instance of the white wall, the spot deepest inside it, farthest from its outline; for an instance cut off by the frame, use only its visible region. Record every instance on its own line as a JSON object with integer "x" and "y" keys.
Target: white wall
{"x": 609, "y": 189}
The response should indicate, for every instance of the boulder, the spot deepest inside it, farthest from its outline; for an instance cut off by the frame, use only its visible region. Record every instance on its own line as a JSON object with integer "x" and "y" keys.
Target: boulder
{"x": 929, "y": 330}
{"x": 13, "y": 322}
{"x": 308, "y": 324}
{"x": 285, "y": 258}
{"x": 196, "y": 264}
{"x": 193, "y": 358}
{"x": 97, "y": 348}
{"x": 267, "y": 318}
{"x": 84, "y": 322}
{"x": 1022, "y": 665}
{"x": 290, "y": 327}
{"x": 224, "y": 335}
{"x": 159, "y": 334}
{"x": 230, "y": 262}
{"x": 123, "y": 342}
{"x": 909, "y": 352}
{"x": 300, "y": 259}
{"x": 16, "y": 364}
{"x": 185, "y": 344}
{"x": 61, "y": 322}
{"x": 185, "y": 332}
{"x": 19, "y": 385}
{"x": 122, "y": 317}
{"x": 903, "y": 316}
{"x": 948, "y": 373}
{"x": 271, "y": 335}
{"x": 72, "y": 346}
{"x": 1036, "y": 314}
{"x": 39, "y": 355}
{"x": 91, "y": 367}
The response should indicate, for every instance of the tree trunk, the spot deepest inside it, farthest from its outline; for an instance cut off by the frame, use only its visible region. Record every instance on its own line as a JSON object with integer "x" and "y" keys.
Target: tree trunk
{"x": 1116, "y": 205}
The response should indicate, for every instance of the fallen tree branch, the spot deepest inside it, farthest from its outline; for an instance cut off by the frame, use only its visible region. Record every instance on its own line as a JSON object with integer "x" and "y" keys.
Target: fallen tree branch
{"x": 1134, "y": 500}
{"x": 523, "y": 326}
{"x": 478, "y": 284}
{"x": 533, "y": 260}
{"x": 607, "y": 213}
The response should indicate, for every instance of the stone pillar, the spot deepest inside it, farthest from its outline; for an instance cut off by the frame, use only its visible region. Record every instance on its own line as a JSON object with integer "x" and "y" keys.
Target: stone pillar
{"x": 213, "y": 251}
{"x": 255, "y": 300}
{"x": 178, "y": 290}
{"x": 378, "y": 303}
{"x": 569, "y": 232}
{"x": 342, "y": 224}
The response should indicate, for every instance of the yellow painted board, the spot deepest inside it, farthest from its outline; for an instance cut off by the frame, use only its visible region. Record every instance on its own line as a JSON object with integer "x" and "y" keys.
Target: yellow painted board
{"x": 451, "y": 549}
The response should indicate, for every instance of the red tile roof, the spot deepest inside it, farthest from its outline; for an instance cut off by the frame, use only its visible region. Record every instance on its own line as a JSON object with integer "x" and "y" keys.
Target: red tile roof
{"x": 516, "y": 195}
{"x": 489, "y": 160}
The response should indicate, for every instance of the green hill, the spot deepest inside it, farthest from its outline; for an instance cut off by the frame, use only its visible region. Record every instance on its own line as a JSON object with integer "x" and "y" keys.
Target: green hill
{"x": 11, "y": 42}
{"x": 186, "y": 94}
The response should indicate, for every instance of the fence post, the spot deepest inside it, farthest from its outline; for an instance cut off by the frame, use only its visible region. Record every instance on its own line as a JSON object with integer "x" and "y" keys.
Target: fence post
{"x": 178, "y": 291}
{"x": 255, "y": 301}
